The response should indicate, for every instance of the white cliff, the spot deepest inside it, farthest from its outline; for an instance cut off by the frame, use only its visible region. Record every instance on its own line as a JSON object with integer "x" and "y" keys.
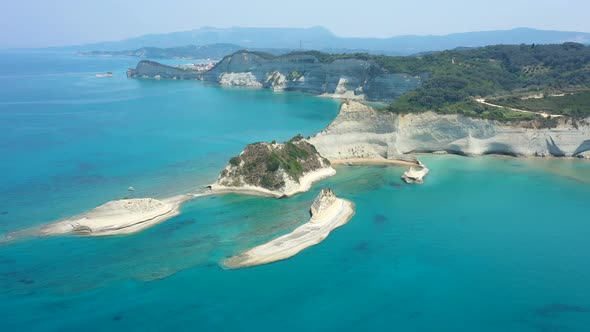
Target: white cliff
{"x": 276, "y": 81}
{"x": 360, "y": 131}
{"x": 343, "y": 92}
{"x": 239, "y": 79}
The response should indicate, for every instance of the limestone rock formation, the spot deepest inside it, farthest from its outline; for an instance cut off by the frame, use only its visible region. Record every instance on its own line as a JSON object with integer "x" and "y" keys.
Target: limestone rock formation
{"x": 324, "y": 200}
{"x": 352, "y": 78}
{"x": 360, "y": 131}
{"x": 415, "y": 174}
{"x": 272, "y": 169}
{"x": 328, "y": 213}
{"x": 239, "y": 79}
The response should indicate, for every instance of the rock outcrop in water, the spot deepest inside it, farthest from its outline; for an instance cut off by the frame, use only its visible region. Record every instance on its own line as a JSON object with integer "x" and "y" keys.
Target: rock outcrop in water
{"x": 360, "y": 131}
{"x": 327, "y": 213}
{"x": 124, "y": 216}
{"x": 275, "y": 170}
{"x": 416, "y": 174}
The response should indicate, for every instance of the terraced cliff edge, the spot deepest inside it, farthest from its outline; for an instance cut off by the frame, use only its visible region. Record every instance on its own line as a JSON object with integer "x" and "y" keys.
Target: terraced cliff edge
{"x": 274, "y": 170}
{"x": 360, "y": 131}
{"x": 309, "y": 72}
{"x": 353, "y": 78}
{"x": 327, "y": 213}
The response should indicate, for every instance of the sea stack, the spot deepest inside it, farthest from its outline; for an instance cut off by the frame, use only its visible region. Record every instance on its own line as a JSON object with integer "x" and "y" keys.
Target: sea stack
{"x": 416, "y": 174}
{"x": 273, "y": 169}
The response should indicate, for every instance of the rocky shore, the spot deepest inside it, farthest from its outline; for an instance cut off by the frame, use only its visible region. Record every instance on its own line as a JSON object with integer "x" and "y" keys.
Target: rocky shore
{"x": 327, "y": 213}
{"x": 273, "y": 169}
{"x": 308, "y": 72}
{"x": 362, "y": 132}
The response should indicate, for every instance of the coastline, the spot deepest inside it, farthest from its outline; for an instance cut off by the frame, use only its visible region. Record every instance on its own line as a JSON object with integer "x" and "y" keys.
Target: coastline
{"x": 360, "y": 131}
{"x": 117, "y": 217}
{"x": 373, "y": 161}
{"x": 305, "y": 183}
{"x": 99, "y": 222}
{"x": 319, "y": 226}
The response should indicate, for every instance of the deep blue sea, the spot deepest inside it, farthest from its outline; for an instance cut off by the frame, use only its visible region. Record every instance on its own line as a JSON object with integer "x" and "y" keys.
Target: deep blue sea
{"x": 486, "y": 244}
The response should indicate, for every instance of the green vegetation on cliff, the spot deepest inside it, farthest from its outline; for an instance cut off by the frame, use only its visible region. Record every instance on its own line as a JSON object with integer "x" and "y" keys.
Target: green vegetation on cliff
{"x": 263, "y": 164}
{"x": 575, "y": 105}
{"x": 457, "y": 77}
{"x": 454, "y": 78}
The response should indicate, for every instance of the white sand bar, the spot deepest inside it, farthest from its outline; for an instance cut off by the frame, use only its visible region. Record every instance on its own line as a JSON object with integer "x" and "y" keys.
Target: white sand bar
{"x": 124, "y": 216}
{"x": 328, "y": 212}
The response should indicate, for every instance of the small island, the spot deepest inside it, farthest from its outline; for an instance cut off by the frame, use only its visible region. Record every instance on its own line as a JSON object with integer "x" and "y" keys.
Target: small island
{"x": 117, "y": 217}
{"x": 124, "y": 216}
{"x": 416, "y": 174}
{"x": 327, "y": 213}
{"x": 274, "y": 170}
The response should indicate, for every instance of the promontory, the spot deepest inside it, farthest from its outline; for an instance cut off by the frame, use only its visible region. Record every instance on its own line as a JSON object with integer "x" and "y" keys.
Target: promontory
{"x": 327, "y": 213}
{"x": 273, "y": 169}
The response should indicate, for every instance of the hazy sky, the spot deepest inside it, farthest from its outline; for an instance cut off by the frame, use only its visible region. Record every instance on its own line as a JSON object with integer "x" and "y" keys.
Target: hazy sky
{"x": 38, "y": 23}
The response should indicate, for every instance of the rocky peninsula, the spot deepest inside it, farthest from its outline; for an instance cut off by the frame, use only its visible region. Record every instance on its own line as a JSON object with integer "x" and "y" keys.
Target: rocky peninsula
{"x": 117, "y": 217}
{"x": 327, "y": 213}
{"x": 152, "y": 69}
{"x": 273, "y": 169}
{"x": 310, "y": 72}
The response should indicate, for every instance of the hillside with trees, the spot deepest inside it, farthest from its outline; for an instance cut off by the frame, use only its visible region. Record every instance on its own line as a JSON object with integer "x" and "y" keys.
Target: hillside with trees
{"x": 498, "y": 72}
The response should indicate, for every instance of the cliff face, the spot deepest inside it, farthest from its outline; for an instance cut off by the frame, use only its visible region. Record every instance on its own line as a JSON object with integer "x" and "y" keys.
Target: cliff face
{"x": 360, "y": 131}
{"x": 273, "y": 169}
{"x": 350, "y": 78}
{"x": 151, "y": 69}
{"x": 322, "y": 202}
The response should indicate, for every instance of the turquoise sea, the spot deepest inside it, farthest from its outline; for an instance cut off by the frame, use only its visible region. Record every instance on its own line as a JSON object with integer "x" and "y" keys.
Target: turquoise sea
{"x": 486, "y": 244}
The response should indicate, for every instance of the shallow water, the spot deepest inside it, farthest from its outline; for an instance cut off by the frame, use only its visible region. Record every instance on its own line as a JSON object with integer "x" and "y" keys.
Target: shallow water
{"x": 486, "y": 244}
{"x": 72, "y": 141}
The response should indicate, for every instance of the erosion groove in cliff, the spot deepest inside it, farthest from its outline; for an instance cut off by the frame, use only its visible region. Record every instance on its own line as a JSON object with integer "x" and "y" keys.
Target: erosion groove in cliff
{"x": 358, "y": 132}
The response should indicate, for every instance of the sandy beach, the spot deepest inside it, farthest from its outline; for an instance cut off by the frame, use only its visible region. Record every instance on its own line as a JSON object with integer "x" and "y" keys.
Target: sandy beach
{"x": 292, "y": 188}
{"x": 372, "y": 161}
{"x": 328, "y": 213}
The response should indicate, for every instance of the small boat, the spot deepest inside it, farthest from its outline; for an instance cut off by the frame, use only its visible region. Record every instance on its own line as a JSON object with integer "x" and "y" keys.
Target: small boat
{"x": 131, "y": 189}
{"x": 107, "y": 74}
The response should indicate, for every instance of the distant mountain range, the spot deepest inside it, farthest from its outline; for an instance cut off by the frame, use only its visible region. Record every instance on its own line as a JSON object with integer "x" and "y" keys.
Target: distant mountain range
{"x": 320, "y": 38}
{"x": 212, "y": 51}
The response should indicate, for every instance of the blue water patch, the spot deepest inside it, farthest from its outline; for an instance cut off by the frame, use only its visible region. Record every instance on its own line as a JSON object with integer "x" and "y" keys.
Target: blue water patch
{"x": 486, "y": 244}
{"x": 72, "y": 141}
